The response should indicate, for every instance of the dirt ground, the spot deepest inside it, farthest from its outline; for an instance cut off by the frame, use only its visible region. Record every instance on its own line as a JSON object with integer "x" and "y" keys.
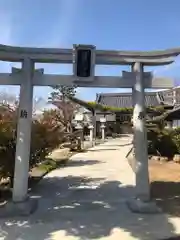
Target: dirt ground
{"x": 165, "y": 185}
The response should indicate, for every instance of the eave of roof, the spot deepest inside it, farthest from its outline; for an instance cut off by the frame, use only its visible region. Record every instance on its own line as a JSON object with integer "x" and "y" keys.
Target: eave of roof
{"x": 124, "y": 100}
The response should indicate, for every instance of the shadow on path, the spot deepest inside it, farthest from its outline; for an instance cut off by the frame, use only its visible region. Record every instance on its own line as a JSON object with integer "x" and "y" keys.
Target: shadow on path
{"x": 167, "y": 196}
{"x": 86, "y": 208}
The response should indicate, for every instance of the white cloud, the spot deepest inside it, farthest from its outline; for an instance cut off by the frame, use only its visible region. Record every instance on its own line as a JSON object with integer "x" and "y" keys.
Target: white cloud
{"x": 62, "y": 30}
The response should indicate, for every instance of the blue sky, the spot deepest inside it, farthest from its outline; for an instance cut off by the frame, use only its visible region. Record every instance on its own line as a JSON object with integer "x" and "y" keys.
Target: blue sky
{"x": 108, "y": 24}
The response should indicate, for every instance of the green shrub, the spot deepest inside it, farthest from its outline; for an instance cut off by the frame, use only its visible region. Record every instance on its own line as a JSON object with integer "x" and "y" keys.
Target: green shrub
{"x": 7, "y": 140}
{"x": 46, "y": 136}
{"x": 163, "y": 142}
{"x": 175, "y": 136}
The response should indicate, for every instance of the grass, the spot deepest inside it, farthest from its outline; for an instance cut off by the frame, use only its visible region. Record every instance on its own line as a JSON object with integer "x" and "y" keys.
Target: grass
{"x": 48, "y": 165}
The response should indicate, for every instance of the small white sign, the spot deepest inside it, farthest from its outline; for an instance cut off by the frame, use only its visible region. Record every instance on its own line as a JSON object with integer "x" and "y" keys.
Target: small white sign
{"x": 102, "y": 120}
{"x": 79, "y": 117}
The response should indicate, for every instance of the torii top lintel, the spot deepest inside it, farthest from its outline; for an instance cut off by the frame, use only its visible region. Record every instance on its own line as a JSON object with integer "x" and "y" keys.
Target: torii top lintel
{"x": 103, "y": 57}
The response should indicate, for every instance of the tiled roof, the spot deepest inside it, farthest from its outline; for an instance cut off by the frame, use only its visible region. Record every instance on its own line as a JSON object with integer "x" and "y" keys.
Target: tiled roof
{"x": 123, "y": 100}
{"x": 171, "y": 96}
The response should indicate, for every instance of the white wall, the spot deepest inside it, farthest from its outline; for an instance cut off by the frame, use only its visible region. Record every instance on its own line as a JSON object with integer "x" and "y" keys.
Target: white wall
{"x": 176, "y": 123}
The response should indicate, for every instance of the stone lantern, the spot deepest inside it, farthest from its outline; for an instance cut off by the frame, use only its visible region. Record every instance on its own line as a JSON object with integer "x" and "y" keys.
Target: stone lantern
{"x": 103, "y": 121}
{"x": 79, "y": 126}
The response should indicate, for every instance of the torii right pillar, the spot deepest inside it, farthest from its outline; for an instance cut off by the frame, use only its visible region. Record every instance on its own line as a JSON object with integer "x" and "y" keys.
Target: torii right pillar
{"x": 142, "y": 202}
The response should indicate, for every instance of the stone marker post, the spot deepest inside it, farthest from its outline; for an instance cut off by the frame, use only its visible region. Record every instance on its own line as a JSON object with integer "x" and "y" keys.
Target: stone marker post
{"x": 91, "y": 128}
{"x": 103, "y": 132}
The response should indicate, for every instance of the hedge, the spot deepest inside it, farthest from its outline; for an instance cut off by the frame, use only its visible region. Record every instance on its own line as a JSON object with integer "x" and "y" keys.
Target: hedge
{"x": 92, "y": 106}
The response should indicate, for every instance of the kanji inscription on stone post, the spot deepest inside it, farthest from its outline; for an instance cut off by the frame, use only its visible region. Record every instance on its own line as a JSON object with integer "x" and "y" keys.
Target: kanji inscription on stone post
{"x": 23, "y": 114}
{"x": 141, "y": 115}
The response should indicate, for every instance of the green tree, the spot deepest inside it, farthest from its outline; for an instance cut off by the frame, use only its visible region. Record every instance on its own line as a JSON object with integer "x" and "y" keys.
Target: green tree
{"x": 66, "y": 108}
{"x": 61, "y": 92}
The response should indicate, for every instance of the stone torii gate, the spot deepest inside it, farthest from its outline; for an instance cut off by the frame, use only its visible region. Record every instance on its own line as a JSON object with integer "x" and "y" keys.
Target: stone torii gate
{"x": 27, "y": 77}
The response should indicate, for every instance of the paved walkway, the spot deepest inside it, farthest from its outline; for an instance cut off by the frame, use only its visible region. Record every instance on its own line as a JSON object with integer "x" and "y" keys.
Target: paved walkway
{"x": 86, "y": 200}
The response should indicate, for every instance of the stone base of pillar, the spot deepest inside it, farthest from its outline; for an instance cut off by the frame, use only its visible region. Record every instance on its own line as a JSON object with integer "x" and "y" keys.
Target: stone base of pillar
{"x": 94, "y": 143}
{"x": 139, "y": 206}
{"x": 13, "y": 209}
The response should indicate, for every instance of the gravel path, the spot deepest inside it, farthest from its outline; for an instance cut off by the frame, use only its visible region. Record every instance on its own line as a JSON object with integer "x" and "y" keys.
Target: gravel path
{"x": 87, "y": 200}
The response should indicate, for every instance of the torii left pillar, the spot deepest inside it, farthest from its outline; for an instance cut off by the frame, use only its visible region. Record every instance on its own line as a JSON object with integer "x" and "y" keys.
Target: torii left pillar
{"x": 21, "y": 204}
